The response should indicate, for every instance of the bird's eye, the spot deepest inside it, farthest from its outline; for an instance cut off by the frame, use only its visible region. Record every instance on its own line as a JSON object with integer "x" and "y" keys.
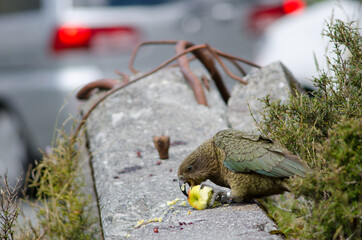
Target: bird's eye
{"x": 189, "y": 168}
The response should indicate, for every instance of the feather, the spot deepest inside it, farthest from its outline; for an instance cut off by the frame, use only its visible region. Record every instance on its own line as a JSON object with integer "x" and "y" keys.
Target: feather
{"x": 256, "y": 153}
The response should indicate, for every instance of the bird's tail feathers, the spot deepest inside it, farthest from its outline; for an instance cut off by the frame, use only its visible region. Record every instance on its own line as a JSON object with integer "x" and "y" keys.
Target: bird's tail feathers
{"x": 299, "y": 167}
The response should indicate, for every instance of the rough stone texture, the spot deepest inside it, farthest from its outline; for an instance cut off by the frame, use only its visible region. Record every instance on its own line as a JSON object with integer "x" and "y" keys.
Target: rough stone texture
{"x": 244, "y": 221}
{"x": 273, "y": 79}
{"x": 132, "y": 183}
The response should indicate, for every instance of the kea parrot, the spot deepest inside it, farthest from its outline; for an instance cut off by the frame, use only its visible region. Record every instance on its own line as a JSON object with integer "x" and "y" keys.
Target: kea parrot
{"x": 251, "y": 165}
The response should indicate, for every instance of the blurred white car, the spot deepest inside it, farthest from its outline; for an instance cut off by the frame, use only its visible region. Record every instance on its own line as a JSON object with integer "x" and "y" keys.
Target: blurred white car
{"x": 49, "y": 48}
{"x": 296, "y": 38}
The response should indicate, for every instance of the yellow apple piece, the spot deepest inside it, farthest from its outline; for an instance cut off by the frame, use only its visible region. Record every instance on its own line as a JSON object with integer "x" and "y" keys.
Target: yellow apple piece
{"x": 199, "y": 198}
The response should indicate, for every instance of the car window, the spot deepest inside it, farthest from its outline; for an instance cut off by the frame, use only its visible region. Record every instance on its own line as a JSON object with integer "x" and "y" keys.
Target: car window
{"x": 15, "y": 6}
{"x": 93, "y": 3}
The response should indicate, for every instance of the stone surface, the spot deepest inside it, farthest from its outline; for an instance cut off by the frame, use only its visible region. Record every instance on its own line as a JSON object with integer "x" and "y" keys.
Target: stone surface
{"x": 244, "y": 221}
{"x": 273, "y": 79}
{"x": 133, "y": 184}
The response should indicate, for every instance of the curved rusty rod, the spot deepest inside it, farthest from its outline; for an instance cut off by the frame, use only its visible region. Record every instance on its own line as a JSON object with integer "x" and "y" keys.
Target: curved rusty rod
{"x": 117, "y": 88}
{"x": 225, "y": 55}
{"x": 237, "y": 65}
{"x": 206, "y": 59}
{"x": 136, "y": 49}
{"x": 104, "y": 84}
{"x": 205, "y": 82}
{"x": 190, "y": 59}
{"x": 223, "y": 65}
{"x": 124, "y": 76}
{"x": 190, "y": 77}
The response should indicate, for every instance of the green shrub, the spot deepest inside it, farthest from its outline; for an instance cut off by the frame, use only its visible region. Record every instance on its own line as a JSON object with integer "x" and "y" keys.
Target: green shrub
{"x": 334, "y": 191}
{"x": 64, "y": 211}
{"x": 324, "y": 130}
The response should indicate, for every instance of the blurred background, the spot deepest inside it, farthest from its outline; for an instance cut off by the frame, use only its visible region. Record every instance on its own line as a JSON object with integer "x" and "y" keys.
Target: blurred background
{"x": 50, "y": 48}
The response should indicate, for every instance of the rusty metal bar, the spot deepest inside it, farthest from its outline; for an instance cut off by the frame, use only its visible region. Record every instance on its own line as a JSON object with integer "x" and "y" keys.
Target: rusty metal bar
{"x": 237, "y": 65}
{"x": 124, "y": 76}
{"x": 104, "y": 84}
{"x": 136, "y": 49}
{"x": 205, "y": 82}
{"x": 162, "y": 144}
{"x": 225, "y": 55}
{"x": 206, "y": 59}
{"x": 224, "y": 67}
{"x": 188, "y": 74}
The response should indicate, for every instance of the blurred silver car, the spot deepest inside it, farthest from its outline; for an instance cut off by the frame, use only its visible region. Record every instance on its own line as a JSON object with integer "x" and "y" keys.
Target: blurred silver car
{"x": 49, "y": 48}
{"x": 297, "y": 40}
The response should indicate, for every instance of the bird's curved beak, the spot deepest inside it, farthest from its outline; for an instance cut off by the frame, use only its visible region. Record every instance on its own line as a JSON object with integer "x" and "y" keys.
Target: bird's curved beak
{"x": 182, "y": 185}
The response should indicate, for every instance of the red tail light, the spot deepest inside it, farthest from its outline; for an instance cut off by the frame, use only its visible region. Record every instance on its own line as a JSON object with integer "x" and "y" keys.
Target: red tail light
{"x": 72, "y": 37}
{"x": 261, "y": 16}
{"x": 291, "y": 6}
{"x": 69, "y": 37}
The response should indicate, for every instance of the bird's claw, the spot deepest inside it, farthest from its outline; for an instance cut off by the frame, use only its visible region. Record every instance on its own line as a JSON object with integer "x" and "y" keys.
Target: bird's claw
{"x": 218, "y": 195}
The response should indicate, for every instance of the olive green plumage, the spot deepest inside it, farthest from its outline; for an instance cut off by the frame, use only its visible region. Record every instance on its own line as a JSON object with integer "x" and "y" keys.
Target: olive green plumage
{"x": 250, "y": 165}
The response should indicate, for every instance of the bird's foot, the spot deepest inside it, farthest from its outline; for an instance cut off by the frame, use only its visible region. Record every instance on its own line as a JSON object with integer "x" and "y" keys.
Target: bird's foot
{"x": 218, "y": 195}
{"x": 222, "y": 197}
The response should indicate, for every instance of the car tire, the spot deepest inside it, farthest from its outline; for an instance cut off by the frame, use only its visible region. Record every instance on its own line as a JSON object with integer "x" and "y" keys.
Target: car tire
{"x": 14, "y": 157}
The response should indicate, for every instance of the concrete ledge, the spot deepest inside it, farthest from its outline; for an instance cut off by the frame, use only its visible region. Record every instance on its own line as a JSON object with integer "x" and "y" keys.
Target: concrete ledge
{"x": 274, "y": 80}
{"x": 244, "y": 221}
{"x": 133, "y": 184}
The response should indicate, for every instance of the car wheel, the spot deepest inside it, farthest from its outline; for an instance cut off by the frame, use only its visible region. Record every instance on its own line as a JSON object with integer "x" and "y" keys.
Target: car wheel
{"x": 13, "y": 148}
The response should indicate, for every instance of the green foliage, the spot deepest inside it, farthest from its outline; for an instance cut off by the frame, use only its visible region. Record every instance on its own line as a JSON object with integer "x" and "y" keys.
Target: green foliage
{"x": 63, "y": 208}
{"x": 304, "y": 121}
{"x": 334, "y": 192}
{"x": 324, "y": 130}
{"x": 64, "y": 211}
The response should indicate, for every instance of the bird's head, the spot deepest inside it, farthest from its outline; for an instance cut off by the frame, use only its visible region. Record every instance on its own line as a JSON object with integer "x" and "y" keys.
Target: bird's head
{"x": 197, "y": 167}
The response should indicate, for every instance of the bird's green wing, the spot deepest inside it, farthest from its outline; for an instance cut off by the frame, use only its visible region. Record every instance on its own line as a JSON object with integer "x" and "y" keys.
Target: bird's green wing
{"x": 255, "y": 153}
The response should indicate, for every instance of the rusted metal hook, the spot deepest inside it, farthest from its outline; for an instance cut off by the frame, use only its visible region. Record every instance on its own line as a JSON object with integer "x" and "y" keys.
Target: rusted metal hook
{"x": 189, "y": 75}
{"x": 204, "y": 56}
{"x": 103, "y": 84}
